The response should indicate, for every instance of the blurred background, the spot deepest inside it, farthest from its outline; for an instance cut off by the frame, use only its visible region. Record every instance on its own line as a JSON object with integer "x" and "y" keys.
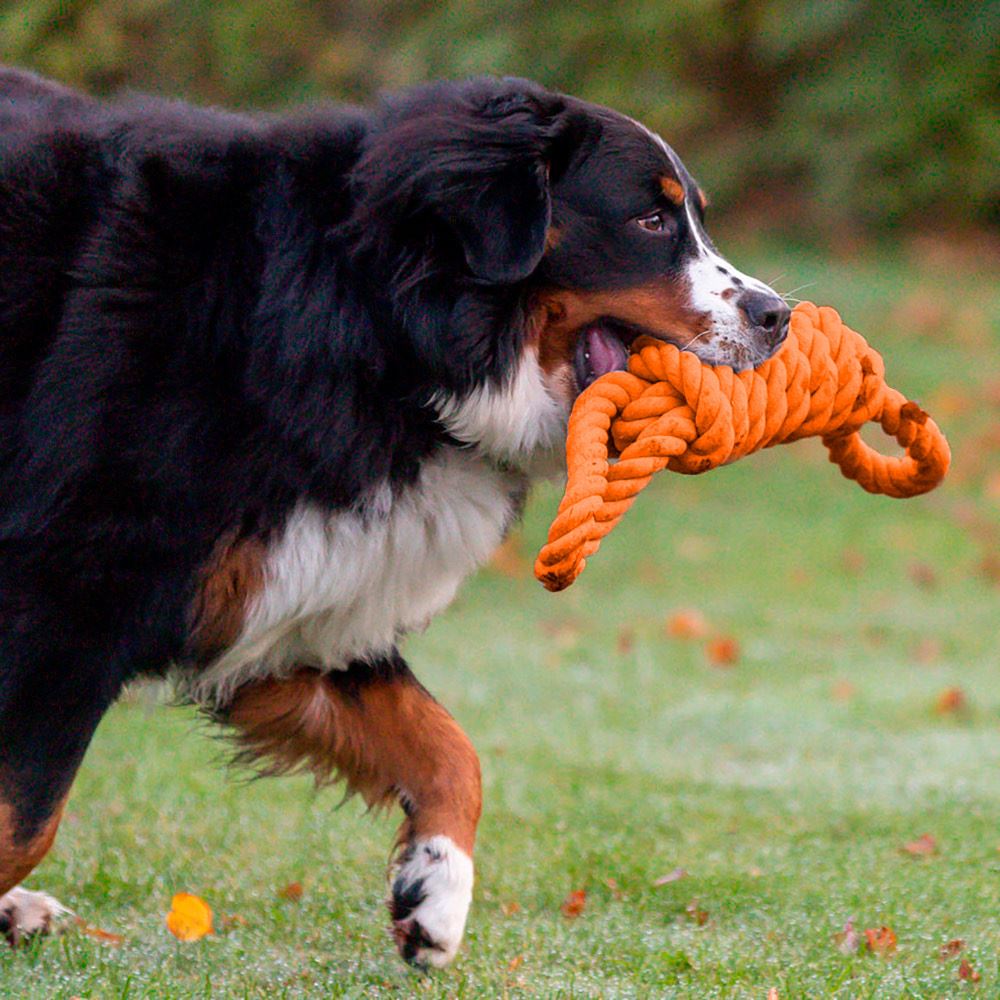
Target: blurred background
{"x": 767, "y": 683}
{"x": 850, "y": 116}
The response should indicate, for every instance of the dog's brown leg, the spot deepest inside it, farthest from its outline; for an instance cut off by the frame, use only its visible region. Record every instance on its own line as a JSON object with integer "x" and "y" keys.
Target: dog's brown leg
{"x": 381, "y": 732}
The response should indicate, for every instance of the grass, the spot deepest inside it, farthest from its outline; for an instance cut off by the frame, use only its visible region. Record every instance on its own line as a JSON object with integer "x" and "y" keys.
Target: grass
{"x": 784, "y": 785}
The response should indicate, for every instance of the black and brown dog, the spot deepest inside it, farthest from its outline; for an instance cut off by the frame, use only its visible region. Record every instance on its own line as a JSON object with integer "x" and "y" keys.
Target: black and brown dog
{"x": 272, "y": 386}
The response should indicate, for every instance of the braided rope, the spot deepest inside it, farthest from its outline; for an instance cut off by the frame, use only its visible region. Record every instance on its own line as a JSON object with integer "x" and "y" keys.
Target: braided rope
{"x": 670, "y": 411}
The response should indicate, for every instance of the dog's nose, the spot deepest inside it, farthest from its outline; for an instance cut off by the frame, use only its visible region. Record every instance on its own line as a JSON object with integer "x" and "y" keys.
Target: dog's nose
{"x": 768, "y": 312}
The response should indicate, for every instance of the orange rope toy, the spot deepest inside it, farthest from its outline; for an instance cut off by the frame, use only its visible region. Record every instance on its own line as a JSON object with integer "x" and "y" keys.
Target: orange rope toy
{"x": 669, "y": 410}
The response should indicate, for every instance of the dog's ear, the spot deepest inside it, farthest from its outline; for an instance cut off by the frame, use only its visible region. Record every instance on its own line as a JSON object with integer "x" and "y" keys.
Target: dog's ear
{"x": 502, "y": 226}
{"x": 475, "y": 160}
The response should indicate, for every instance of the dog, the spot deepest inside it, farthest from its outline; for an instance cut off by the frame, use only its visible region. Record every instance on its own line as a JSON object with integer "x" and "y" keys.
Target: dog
{"x": 272, "y": 386}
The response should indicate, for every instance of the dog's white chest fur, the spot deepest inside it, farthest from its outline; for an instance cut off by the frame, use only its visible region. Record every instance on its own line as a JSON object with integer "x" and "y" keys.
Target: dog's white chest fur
{"x": 344, "y": 586}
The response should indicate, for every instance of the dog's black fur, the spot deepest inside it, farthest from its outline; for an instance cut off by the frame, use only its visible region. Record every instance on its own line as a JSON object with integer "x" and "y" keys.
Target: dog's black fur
{"x": 205, "y": 317}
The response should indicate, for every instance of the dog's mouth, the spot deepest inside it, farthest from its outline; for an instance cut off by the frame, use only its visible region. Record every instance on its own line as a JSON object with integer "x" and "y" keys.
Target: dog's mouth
{"x": 601, "y": 347}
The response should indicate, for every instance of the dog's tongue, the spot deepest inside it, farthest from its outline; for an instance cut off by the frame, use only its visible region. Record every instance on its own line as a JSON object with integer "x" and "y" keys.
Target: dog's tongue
{"x": 599, "y": 351}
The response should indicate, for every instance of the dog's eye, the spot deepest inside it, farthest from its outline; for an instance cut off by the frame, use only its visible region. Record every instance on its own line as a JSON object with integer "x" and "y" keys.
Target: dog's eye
{"x": 655, "y": 223}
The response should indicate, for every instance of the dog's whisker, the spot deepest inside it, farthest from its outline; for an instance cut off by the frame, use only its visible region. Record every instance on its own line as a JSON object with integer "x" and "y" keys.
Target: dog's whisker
{"x": 792, "y": 291}
{"x": 684, "y": 347}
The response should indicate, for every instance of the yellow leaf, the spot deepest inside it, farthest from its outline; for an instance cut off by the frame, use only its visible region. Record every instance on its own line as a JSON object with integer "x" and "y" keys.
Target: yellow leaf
{"x": 190, "y": 917}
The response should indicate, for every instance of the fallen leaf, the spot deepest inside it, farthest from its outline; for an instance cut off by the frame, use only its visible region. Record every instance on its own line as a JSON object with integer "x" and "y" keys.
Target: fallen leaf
{"x": 923, "y": 575}
{"x": 696, "y": 913}
{"x": 227, "y": 920}
{"x": 687, "y": 623}
{"x": 989, "y": 567}
{"x": 880, "y": 940}
{"x": 190, "y": 917}
{"x": 950, "y": 701}
{"x": 848, "y": 939}
{"x": 616, "y": 891}
{"x": 292, "y": 891}
{"x": 853, "y": 561}
{"x": 966, "y": 971}
{"x": 574, "y": 903}
{"x": 97, "y": 933}
{"x": 509, "y": 909}
{"x": 515, "y": 963}
{"x": 675, "y": 876}
{"x": 924, "y": 846}
{"x": 950, "y": 949}
{"x": 723, "y": 651}
{"x": 843, "y": 691}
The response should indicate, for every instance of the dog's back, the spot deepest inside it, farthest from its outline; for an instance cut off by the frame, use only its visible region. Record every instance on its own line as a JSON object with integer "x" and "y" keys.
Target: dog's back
{"x": 47, "y": 149}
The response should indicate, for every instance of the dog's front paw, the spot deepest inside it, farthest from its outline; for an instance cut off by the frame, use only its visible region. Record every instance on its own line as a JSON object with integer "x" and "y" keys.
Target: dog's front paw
{"x": 25, "y": 914}
{"x": 430, "y": 900}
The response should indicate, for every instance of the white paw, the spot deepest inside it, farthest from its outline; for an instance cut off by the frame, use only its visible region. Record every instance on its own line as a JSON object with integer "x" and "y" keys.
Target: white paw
{"x": 430, "y": 900}
{"x": 24, "y": 913}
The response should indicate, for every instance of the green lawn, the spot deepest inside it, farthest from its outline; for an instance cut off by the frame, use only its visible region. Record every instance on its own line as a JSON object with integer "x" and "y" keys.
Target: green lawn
{"x": 784, "y": 785}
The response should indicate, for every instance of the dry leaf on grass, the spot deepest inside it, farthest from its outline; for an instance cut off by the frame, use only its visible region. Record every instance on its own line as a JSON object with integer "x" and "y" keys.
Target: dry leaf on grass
{"x": 687, "y": 623}
{"x": 696, "y": 914}
{"x": 843, "y": 691}
{"x": 675, "y": 876}
{"x": 989, "y": 567}
{"x": 97, "y": 933}
{"x": 574, "y": 903}
{"x": 190, "y": 917}
{"x": 923, "y": 575}
{"x": 722, "y": 651}
{"x": 292, "y": 891}
{"x": 509, "y": 909}
{"x": 950, "y": 949}
{"x": 950, "y": 701}
{"x": 880, "y": 940}
{"x": 625, "y": 640}
{"x": 967, "y": 972}
{"x": 853, "y": 561}
{"x": 924, "y": 846}
{"x": 515, "y": 963}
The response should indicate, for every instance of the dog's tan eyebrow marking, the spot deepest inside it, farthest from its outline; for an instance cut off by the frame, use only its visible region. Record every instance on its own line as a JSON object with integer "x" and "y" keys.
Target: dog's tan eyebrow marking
{"x": 702, "y": 199}
{"x": 672, "y": 190}
{"x": 553, "y": 237}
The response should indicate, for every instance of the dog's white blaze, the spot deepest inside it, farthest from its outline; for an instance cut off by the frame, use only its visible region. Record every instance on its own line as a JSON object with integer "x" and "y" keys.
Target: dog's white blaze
{"x": 345, "y": 586}
{"x": 515, "y": 422}
{"x": 447, "y": 875}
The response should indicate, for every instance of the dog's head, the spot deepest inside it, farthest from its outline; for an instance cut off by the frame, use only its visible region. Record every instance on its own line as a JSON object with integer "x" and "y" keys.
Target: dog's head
{"x": 541, "y": 234}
